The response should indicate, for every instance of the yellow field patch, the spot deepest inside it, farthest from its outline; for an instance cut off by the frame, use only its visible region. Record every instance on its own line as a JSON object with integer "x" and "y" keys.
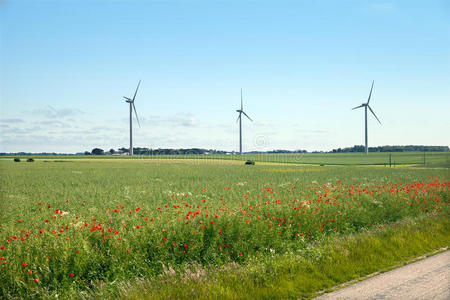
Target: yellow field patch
{"x": 289, "y": 170}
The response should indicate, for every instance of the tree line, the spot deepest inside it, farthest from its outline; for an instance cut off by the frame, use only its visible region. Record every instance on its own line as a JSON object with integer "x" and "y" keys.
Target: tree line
{"x": 159, "y": 151}
{"x": 200, "y": 151}
{"x": 409, "y": 148}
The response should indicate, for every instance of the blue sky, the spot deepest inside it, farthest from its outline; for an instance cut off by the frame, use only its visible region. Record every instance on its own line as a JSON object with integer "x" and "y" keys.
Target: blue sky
{"x": 303, "y": 65}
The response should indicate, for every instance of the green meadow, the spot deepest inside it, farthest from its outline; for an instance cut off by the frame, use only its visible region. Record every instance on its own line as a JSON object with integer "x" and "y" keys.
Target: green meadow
{"x": 182, "y": 227}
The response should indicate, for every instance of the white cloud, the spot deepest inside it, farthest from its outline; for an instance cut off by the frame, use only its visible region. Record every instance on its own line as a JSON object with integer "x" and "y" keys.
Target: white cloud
{"x": 51, "y": 112}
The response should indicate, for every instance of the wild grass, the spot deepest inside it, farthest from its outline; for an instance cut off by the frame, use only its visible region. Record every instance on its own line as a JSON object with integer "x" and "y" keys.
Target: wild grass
{"x": 89, "y": 226}
{"x": 304, "y": 273}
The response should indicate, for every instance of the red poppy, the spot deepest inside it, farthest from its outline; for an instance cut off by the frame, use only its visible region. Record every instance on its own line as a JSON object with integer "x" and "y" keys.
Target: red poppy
{"x": 24, "y": 265}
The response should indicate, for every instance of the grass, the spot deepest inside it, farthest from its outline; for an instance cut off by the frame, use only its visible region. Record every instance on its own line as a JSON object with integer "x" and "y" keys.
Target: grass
{"x": 89, "y": 226}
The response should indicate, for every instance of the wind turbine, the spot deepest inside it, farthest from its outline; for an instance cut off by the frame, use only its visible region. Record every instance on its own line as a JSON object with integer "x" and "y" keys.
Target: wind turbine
{"x": 241, "y": 111}
{"x": 132, "y": 107}
{"x": 366, "y": 105}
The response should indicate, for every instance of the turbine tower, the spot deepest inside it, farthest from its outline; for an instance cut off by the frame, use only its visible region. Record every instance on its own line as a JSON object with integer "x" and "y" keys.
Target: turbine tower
{"x": 241, "y": 111}
{"x": 366, "y": 105}
{"x": 132, "y": 107}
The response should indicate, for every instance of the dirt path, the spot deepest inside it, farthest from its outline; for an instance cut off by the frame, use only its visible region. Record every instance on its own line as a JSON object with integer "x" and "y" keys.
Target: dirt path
{"x": 425, "y": 279}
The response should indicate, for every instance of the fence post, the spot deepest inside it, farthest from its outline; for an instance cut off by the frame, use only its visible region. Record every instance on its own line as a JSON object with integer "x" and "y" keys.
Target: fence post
{"x": 390, "y": 160}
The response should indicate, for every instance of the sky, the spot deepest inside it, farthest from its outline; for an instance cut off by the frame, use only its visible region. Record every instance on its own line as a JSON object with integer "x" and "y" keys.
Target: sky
{"x": 303, "y": 65}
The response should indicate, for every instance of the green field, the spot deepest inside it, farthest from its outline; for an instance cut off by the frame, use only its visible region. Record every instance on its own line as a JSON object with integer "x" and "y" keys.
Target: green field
{"x": 92, "y": 225}
{"x": 431, "y": 159}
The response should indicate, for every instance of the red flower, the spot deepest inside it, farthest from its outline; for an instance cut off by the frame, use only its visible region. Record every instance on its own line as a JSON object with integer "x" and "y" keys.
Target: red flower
{"x": 138, "y": 227}
{"x": 30, "y": 272}
{"x": 36, "y": 280}
{"x": 240, "y": 253}
{"x": 185, "y": 246}
{"x": 2, "y": 247}
{"x": 20, "y": 221}
{"x": 24, "y": 265}
{"x": 137, "y": 209}
{"x": 71, "y": 275}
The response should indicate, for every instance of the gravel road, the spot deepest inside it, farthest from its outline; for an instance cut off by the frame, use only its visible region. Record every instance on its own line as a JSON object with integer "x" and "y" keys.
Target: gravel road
{"x": 425, "y": 279}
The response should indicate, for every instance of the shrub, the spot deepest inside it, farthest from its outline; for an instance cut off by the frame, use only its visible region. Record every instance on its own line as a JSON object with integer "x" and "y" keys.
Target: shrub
{"x": 16, "y": 159}
{"x": 249, "y": 162}
{"x": 30, "y": 160}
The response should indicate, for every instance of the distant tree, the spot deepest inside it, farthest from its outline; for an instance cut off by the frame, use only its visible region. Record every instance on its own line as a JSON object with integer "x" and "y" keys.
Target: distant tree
{"x": 16, "y": 159}
{"x": 124, "y": 150}
{"x": 97, "y": 151}
{"x": 30, "y": 159}
{"x": 87, "y": 153}
{"x": 112, "y": 151}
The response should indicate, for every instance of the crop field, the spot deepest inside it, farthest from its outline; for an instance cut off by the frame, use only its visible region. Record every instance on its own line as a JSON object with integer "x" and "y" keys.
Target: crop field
{"x": 382, "y": 159}
{"x": 72, "y": 226}
{"x": 430, "y": 159}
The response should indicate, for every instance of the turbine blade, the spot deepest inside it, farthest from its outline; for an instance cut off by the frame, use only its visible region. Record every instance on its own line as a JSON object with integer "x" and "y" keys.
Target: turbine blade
{"x": 242, "y": 107}
{"x": 238, "y": 117}
{"x": 247, "y": 116}
{"x": 127, "y": 98}
{"x": 374, "y": 114}
{"x": 134, "y": 97}
{"x": 370, "y": 92}
{"x": 135, "y": 112}
{"x": 357, "y": 107}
